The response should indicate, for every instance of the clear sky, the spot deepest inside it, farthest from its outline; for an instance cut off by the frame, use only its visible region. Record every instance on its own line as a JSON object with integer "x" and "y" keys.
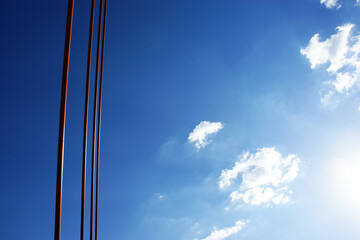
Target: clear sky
{"x": 222, "y": 119}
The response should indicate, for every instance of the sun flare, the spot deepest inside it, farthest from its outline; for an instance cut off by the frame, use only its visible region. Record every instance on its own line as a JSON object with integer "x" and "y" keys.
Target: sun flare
{"x": 345, "y": 180}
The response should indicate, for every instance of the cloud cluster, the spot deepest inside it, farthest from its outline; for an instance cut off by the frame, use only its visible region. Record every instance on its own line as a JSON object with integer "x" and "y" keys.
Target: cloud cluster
{"x": 200, "y": 134}
{"x": 341, "y": 52}
{"x": 225, "y": 232}
{"x": 331, "y": 3}
{"x": 257, "y": 179}
{"x": 264, "y": 177}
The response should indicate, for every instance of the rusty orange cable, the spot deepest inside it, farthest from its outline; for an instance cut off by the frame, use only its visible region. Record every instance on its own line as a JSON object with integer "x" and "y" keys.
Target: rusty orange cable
{"x": 64, "y": 84}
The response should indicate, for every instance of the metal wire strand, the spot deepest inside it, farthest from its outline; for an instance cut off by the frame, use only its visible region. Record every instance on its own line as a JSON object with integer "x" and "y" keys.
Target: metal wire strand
{"x": 94, "y": 121}
{"x": 64, "y": 84}
{"x": 86, "y": 115}
{"x": 99, "y": 122}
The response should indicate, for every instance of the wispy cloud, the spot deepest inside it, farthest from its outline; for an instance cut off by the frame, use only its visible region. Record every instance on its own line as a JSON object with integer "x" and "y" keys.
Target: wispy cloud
{"x": 264, "y": 177}
{"x": 225, "y": 232}
{"x": 335, "y": 4}
{"x": 200, "y": 134}
{"x": 329, "y": 100}
{"x": 331, "y": 3}
{"x": 341, "y": 51}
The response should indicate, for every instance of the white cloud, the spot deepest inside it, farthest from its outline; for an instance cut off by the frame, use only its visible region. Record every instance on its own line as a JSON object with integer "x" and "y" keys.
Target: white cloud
{"x": 341, "y": 51}
{"x": 264, "y": 177}
{"x": 344, "y": 81}
{"x": 335, "y": 3}
{"x": 333, "y": 49}
{"x": 331, "y": 3}
{"x": 200, "y": 134}
{"x": 225, "y": 232}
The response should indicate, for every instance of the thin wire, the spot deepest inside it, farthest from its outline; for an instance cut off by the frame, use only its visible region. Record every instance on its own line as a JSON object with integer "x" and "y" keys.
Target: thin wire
{"x": 64, "y": 84}
{"x": 94, "y": 121}
{"x": 99, "y": 122}
{"x": 86, "y": 114}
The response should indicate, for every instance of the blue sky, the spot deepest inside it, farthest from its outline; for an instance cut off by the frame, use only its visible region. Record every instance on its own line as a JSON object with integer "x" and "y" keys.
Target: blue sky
{"x": 221, "y": 120}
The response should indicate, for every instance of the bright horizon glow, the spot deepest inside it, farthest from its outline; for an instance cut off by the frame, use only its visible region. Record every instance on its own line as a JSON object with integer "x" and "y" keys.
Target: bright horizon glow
{"x": 345, "y": 179}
